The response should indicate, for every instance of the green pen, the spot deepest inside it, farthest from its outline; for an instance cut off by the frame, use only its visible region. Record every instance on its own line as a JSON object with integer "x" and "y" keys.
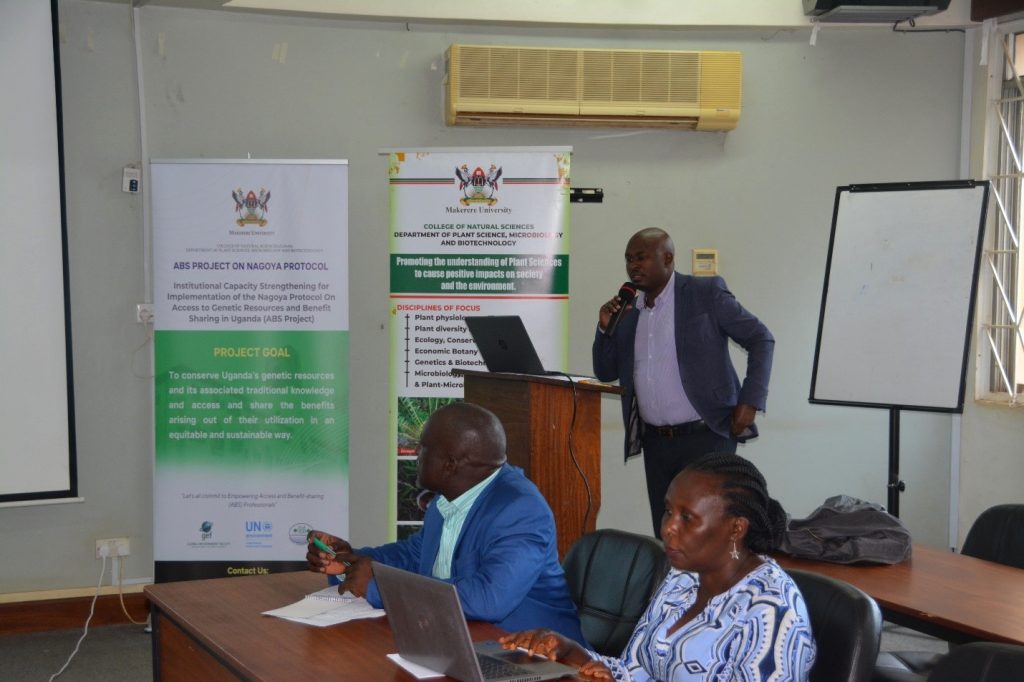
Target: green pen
{"x": 330, "y": 552}
{"x": 320, "y": 545}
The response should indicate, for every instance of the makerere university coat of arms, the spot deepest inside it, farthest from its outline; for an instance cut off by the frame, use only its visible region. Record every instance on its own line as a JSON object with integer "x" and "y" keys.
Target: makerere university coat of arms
{"x": 478, "y": 187}
{"x": 253, "y": 208}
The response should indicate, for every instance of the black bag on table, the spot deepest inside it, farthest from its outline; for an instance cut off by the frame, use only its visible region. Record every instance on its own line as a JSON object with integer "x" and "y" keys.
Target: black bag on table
{"x": 846, "y": 530}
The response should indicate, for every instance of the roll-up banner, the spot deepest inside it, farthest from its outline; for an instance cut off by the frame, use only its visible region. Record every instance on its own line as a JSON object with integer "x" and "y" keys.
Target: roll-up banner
{"x": 473, "y": 232}
{"x": 250, "y": 270}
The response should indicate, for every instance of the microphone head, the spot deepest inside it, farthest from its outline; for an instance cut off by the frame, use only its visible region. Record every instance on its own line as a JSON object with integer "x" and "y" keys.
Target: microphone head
{"x": 627, "y": 293}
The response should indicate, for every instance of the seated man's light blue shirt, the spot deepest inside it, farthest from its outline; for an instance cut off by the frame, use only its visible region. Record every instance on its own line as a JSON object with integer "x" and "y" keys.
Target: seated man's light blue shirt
{"x": 454, "y": 514}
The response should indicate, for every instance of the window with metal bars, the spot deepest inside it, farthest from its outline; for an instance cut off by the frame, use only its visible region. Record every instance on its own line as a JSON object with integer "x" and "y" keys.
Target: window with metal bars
{"x": 1001, "y": 376}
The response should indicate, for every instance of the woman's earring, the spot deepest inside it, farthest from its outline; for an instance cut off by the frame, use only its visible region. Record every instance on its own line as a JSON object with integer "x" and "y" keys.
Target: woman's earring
{"x": 734, "y": 554}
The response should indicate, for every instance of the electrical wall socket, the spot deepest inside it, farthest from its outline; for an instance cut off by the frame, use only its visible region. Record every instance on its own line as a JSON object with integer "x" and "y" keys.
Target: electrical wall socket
{"x": 112, "y": 547}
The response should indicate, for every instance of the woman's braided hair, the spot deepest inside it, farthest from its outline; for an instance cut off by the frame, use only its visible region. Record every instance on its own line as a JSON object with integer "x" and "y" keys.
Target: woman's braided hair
{"x": 746, "y": 493}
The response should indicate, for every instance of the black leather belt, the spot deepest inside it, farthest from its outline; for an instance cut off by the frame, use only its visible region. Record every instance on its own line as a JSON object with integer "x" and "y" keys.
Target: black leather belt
{"x": 675, "y": 430}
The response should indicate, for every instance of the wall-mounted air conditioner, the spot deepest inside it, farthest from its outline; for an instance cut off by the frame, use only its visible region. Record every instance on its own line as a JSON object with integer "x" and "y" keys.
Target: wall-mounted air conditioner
{"x": 504, "y": 86}
{"x": 871, "y": 11}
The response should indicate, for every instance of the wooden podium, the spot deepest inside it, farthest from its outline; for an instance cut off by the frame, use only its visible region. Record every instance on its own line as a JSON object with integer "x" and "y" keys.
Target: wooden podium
{"x": 537, "y": 413}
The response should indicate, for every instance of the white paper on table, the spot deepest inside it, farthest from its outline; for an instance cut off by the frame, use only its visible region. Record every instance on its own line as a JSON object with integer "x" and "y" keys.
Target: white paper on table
{"x": 415, "y": 669}
{"x": 326, "y": 607}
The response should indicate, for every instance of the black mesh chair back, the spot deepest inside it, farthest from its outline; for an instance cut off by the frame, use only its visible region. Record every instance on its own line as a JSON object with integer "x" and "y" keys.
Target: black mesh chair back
{"x": 612, "y": 575}
{"x": 847, "y": 627}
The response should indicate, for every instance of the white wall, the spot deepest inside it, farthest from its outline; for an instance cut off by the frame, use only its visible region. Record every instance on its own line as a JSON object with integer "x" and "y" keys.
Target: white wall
{"x": 764, "y": 13}
{"x": 864, "y": 105}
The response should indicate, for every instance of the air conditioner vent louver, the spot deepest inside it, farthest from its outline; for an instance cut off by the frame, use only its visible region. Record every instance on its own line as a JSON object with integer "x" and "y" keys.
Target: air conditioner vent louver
{"x": 517, "y": 73}
{"x": 496, "y": 85}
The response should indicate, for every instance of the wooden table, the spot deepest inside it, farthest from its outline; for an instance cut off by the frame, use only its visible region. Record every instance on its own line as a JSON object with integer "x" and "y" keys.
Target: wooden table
{"x": 213, "y": 630}
{"x": 948, "y": 595}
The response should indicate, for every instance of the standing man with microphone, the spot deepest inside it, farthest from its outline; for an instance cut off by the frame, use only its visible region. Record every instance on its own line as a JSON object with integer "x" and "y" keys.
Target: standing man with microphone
{"x": 669, "y": 351}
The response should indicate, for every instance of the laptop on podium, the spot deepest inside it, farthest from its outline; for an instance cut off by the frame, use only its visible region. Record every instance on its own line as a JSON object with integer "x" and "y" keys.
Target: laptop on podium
{"x": 504, "y": 344}
{"x": 429, "y": 628}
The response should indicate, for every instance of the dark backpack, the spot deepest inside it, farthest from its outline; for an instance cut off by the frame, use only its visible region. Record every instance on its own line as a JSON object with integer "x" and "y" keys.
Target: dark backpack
{"x": 845, "y": 530}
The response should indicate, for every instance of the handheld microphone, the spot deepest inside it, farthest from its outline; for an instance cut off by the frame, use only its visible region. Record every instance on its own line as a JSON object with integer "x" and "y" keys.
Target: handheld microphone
{"x": 627, "y": 294}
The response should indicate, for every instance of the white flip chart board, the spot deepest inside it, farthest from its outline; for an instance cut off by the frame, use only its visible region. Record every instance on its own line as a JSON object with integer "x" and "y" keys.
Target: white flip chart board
{"x": 899, "y": 293}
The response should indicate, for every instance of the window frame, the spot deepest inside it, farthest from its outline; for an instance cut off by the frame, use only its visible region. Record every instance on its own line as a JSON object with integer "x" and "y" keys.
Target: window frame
{"x": 999, "y": 335}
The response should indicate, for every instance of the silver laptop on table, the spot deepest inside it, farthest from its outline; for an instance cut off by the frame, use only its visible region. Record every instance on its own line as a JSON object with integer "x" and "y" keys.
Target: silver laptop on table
{"x": 429, "y": 628}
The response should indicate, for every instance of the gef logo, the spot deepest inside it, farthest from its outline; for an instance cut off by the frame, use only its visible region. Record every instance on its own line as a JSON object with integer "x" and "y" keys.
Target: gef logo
{"x": 258, "y": 526}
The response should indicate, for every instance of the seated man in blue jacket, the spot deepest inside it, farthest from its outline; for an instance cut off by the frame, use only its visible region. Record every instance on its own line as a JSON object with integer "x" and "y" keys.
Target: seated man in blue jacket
{"x": 488, "y": 531}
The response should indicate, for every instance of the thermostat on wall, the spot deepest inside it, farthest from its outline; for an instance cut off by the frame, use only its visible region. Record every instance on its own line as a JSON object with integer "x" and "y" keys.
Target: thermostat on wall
{"x": 705, "y": 262}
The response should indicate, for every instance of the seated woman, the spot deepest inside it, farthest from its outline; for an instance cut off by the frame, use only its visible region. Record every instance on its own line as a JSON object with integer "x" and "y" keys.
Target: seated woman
{"x": 726, "y": 611}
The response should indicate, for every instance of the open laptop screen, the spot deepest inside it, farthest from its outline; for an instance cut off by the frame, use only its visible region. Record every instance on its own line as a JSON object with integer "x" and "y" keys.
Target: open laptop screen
{"x": 430, "y": 629}
{"x": 504, "y": 344}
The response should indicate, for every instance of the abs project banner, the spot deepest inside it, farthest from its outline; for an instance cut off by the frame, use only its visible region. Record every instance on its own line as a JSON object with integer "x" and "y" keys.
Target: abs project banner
{"x": 250, "y": 262}
{"x": 473, "y": 232}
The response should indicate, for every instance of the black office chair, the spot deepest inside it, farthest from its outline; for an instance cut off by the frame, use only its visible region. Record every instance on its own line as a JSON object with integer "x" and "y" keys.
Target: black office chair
{"x": 905, "y": 666}
{"x": 847, "y": 626}
{"x": 996, "y": 535}
{"x": 981, "y": 662}
{"x": 612, "y": 575}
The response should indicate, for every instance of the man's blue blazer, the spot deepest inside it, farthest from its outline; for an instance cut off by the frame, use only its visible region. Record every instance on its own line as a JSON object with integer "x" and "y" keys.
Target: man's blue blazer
{"x": 505, "y": 565}
{"x": 707, "y": 315}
